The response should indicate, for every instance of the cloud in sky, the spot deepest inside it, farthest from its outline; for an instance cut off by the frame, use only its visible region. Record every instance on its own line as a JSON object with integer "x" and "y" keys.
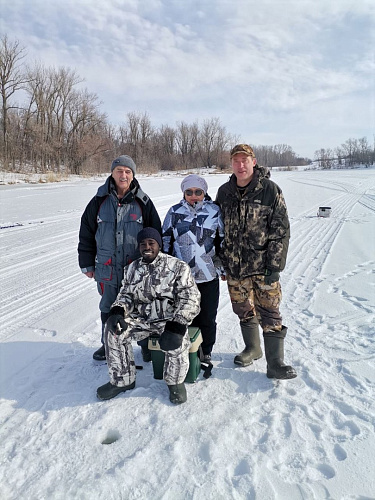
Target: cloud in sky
{"x": 299, "y": 72}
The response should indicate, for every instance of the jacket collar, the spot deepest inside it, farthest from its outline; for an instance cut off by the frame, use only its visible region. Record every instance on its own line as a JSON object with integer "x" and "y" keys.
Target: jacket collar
{"x": 198, "y": 206}
{"x": 253, "y": 185}
{"x": 152, "y": 265}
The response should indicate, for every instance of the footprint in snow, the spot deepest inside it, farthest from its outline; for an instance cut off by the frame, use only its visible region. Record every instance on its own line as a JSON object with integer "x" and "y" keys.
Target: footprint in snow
{"x": 340, "y": 453}
{"x": 46, "y": 333}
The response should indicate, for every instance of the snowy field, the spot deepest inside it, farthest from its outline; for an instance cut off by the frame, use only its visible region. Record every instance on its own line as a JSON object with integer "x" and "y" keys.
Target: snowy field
{"x": 240, "y": 435}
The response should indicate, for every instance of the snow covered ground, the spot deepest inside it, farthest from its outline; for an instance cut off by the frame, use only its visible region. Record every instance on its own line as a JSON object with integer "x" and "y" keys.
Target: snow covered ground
{"x": 240, "y": 435}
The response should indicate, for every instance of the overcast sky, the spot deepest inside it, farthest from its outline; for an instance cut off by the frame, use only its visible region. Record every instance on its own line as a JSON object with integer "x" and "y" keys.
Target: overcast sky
{"x": 299, "y": 72}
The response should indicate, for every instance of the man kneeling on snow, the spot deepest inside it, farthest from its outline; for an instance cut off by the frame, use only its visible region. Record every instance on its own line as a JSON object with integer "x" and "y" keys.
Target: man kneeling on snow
{"x": 158, "y": 296}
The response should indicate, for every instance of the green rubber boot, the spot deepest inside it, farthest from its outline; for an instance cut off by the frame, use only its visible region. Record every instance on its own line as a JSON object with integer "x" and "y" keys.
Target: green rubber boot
{"x": 252, "y": 351}
{"x": 274, "y": 348}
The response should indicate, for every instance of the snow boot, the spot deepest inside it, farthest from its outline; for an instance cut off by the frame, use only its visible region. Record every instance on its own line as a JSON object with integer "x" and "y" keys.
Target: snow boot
{"x": 177, "y": 394}
{"x": 99, "y": 355}
{"x": 252, "y": 351}
{"x": 274, "y": 348}
{"x": 146, "y": 354}
{"x": 109, "y": 391}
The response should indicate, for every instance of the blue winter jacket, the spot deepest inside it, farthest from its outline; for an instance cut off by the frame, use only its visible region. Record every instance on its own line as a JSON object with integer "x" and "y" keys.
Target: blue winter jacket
{"x": 109, "y": 229}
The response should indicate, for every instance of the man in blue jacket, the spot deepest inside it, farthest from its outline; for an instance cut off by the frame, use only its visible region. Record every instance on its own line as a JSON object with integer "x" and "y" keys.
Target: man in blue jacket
{"x": 108, "y": 235}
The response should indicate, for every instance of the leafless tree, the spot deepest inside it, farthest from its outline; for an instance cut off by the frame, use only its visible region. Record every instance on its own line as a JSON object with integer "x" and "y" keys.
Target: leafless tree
{"x": 212, "y": 141}
{"x": 349, "y": 147}
{"x": 187, "y": 143}
{"x": 364, "y": 151}
{"x": 50, "y": 91}
{"x": 165, "y": 147}
{"x": 340, "y": 155}
{"x": 325, "y": 158}
{"x": 87, "y": 135}
{"x": 280, "y": 155}
{"x": 139, "y": 135}
{"x": 12, "y": 79}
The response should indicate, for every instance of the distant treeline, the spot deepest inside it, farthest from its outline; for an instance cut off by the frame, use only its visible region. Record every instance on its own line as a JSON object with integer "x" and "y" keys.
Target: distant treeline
{"x": 59, "y": 128}
{"x": 352, "y": 152}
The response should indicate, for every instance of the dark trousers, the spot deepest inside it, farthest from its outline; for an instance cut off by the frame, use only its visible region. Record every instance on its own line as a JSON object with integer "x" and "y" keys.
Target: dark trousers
{"x": 206, "y": 319}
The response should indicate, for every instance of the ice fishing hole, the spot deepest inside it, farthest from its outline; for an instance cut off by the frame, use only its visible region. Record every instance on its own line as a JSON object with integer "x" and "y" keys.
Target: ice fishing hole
{"x": 111, "y": 437}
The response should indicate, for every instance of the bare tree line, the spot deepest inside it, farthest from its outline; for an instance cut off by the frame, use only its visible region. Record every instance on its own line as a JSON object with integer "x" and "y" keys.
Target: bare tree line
{"x": 351, "y": 152}
{"x": 167, "y": 148}
{"x": 59, "y": 127}
{"x": 280, "y": 155}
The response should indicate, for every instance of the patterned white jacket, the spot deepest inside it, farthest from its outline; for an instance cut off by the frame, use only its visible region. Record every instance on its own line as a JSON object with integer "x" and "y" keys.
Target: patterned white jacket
{"x": 192, "y": 233}
{"x": 152, "y": 294}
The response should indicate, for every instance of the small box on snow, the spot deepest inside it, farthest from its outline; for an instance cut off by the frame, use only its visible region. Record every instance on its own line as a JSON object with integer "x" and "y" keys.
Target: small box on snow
{"x": 324, "y": 211}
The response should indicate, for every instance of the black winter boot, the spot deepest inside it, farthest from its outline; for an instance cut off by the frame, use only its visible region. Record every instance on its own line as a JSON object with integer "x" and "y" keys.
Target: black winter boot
{"x": 274, "y": 348}
{"x": 146, "y": 354}
{"x": 109, "y": 391}
{"x": 99, "y": 355}
{"x": 177, "y": 394}
{"x": 252, "y": 351}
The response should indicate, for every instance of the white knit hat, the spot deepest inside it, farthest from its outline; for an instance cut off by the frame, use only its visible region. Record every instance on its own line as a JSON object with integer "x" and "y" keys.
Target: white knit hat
{"x": 194, "y": 181}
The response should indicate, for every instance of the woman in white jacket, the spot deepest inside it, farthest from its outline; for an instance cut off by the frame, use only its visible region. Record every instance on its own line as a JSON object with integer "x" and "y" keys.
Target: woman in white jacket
{"x": 193, "y": 231}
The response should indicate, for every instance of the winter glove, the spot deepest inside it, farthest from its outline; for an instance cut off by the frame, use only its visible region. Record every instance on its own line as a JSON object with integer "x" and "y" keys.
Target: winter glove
{"x": 271, "y": 277}
{"x": 116, "y": 323}
{"x": 218, "y": 265}
{"x": 172, "y": 336}
{"x": 217, "y": 261}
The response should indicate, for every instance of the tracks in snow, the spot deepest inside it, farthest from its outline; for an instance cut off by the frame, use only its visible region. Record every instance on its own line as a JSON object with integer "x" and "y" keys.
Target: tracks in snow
{"x": 312, "y": 240}
{"x": 39, "y": 271}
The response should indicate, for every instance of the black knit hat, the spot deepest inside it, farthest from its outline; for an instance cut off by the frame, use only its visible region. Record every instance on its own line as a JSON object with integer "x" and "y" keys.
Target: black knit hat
{"x": 149, "y": 232}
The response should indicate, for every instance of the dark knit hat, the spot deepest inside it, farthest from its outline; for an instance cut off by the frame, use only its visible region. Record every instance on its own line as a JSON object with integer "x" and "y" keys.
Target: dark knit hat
{"x": 124, "y": 161}
{"x": 149, "y": 232}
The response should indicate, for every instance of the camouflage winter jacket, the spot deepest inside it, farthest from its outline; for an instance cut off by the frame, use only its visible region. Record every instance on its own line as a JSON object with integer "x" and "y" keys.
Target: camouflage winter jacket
{"x": 256, "y": 226}
{"x": 161, "y": 291}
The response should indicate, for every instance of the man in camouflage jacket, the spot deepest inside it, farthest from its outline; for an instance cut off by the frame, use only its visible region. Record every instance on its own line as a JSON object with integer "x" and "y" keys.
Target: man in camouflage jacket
{"x": 158, "y": 296}
{"x": 256, "y": 238}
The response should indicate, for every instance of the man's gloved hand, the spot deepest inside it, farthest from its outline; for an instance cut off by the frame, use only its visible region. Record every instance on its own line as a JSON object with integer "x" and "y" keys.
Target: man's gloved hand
{"x": 271, "y": 277}
{"x": 116, "y": 323}
{"x": 172, "y": 336}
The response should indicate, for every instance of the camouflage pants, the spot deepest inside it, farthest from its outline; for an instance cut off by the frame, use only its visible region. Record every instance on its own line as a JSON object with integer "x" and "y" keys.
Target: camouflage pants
{"x": 252, "y": 297}
{"x": 120, "y": 356}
